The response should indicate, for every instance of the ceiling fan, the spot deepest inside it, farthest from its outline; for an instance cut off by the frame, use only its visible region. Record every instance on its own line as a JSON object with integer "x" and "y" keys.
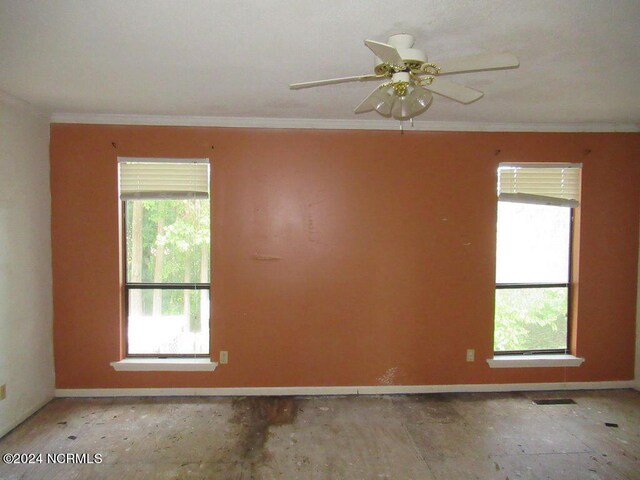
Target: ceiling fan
{"x": 411, "y": 78}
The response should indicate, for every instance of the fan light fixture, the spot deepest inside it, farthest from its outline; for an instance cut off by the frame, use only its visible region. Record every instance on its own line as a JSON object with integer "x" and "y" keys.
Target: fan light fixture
{"x": 413, "y": 79}
{"x": 400, "y": 99}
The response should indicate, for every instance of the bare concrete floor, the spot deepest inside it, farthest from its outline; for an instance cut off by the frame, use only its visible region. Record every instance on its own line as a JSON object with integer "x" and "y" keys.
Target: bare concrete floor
{"x": 446, "y": 436}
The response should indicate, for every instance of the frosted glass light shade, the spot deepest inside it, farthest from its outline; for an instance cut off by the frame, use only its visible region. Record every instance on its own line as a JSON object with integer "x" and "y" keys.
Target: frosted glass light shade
{"x": 382, "y": 101}
{"x": 413, "y": 104}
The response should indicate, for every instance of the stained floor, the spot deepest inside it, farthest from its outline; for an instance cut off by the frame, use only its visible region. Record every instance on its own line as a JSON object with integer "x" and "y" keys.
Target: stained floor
{"x": 420, "y": 437}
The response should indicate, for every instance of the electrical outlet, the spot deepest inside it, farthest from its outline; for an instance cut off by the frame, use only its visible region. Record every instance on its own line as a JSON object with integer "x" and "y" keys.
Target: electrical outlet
{"x": 471, "y": 355}
{"x": 224, "y": 357}
{"x": 3, "y": 391}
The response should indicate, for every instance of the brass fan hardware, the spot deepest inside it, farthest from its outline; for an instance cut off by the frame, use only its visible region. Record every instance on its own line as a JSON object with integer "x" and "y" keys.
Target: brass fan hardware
{"x": 413, "y": 78}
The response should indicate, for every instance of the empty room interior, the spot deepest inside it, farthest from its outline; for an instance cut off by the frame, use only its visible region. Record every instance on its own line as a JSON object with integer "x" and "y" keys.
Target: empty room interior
{"x": 319, "y": 240}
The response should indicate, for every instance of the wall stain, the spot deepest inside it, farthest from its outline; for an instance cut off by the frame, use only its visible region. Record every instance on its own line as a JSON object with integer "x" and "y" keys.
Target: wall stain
{"x": 389, "y": 377}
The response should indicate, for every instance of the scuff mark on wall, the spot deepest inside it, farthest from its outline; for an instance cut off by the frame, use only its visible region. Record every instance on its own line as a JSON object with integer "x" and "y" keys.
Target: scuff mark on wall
{"x": 257, "y": 256}
{"x": 312, "y": 231}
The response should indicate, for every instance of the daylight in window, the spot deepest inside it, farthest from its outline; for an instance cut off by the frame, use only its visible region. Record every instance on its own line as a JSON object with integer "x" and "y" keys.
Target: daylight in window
{"x": 167, "y": 245}
{"x": 533, "y": 258}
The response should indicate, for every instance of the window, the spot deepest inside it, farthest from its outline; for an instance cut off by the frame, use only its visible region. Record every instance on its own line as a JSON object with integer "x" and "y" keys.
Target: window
{"x": 166, "y": 217}
{"x": 533, "y": 259}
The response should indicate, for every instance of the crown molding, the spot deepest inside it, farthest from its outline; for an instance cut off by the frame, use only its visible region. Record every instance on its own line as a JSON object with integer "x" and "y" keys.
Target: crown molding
{"x": 335, "y": 124}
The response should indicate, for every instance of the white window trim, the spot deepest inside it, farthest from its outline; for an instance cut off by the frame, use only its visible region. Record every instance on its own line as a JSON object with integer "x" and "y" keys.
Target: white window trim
{"x": 164, "y": 365}
{"x": 534, "y": 361}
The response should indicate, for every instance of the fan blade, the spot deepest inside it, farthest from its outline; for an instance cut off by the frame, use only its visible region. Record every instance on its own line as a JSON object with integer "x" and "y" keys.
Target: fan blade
{"x": 453, "y": 90}
{"x": 331, "y": 81}
{"x": 386, "y": 53}
{"x": 476, "y": 63}
{"x": 379, "y": 100}
{"x": 366, "y": 105}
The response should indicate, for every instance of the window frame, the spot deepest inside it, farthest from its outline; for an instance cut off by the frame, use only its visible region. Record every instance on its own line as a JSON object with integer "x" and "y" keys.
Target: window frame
{"x": 155, "y": 286}
{"x": 568, "y": 285}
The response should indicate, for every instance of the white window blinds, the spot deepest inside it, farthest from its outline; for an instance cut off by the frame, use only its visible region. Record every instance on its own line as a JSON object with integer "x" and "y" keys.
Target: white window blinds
{"x": 157, "y": 178}
{"x": 543, "y": 184}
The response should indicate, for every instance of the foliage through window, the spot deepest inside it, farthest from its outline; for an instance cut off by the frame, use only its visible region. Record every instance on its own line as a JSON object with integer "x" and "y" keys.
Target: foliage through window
{"x": 533, "y": 274}
{"x": 167, "y": 245}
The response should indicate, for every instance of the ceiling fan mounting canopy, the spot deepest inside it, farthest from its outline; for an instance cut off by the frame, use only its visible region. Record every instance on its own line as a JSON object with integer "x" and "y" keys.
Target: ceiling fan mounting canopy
{"x": 413, "y": 78}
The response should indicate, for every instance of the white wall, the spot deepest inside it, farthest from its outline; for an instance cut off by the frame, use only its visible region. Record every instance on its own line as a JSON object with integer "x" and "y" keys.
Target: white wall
{"x": 26, "y": 313}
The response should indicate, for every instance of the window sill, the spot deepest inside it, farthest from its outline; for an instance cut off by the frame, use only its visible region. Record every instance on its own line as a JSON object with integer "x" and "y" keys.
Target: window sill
{"x": 534, "y": 361}
{"x": 164, "y": 365}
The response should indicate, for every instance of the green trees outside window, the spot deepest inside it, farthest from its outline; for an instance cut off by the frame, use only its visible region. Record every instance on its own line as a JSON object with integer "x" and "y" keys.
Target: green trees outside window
{"x": 532, "y": 277}
{"x": 168, "y": 243}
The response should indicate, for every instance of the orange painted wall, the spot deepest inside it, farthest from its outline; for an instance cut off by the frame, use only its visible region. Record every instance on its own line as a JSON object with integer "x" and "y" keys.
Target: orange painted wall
{"x": 385, "y": 246}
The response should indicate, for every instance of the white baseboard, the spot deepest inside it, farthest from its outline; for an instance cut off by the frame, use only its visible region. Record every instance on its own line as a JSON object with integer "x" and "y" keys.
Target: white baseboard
{"x": 345, "y": 390}
{"x": 23, "y": 417}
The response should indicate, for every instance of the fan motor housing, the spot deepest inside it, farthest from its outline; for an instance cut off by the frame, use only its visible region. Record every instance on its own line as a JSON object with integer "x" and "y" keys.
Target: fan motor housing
{"x": 412, "y": 57}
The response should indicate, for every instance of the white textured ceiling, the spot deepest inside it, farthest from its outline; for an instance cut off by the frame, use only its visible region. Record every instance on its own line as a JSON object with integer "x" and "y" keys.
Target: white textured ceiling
{"x": 580, "y": 59}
